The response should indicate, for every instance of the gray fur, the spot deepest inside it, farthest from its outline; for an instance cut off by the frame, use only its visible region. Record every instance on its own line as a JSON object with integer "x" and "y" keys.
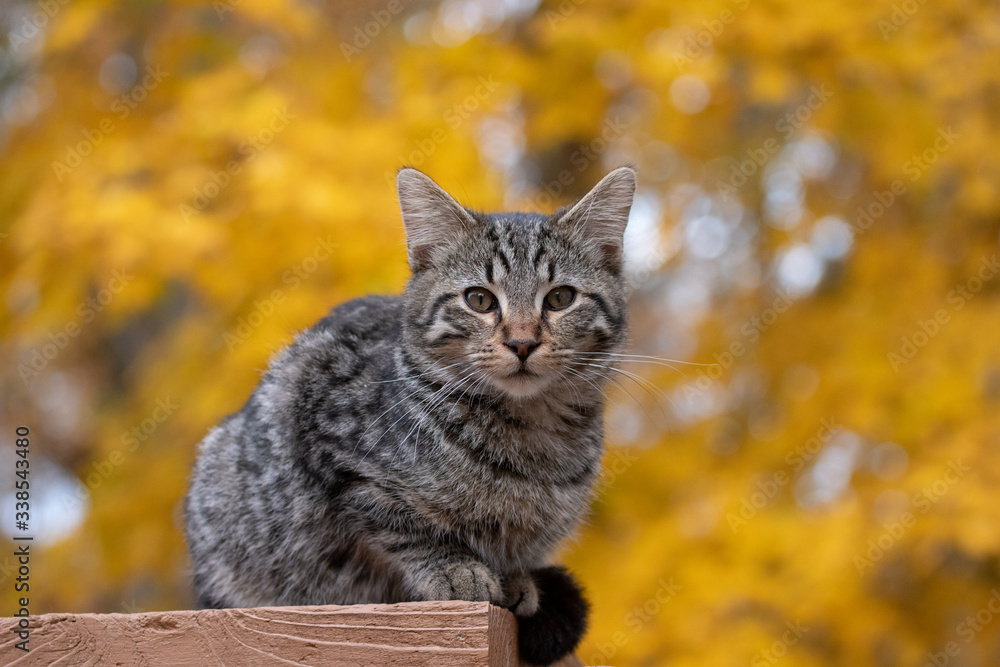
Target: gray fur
{"x": 388, "y": 455}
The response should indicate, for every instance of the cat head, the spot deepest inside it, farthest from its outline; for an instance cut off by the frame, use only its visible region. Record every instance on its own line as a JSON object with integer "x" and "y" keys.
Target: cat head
{"x": 516, "y": 302}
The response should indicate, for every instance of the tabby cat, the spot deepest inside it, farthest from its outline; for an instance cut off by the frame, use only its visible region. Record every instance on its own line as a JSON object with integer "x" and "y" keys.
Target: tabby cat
{"x": 436, "y": 445}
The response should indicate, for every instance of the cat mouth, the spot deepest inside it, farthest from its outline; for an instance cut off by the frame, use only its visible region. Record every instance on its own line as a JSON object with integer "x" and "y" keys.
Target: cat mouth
{"x": 521, "y": 383}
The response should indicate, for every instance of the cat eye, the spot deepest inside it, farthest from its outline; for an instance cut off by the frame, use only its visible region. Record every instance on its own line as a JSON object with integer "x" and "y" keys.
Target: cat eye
{"x": 559, "y": 297}
{"x": 480, "y": 300}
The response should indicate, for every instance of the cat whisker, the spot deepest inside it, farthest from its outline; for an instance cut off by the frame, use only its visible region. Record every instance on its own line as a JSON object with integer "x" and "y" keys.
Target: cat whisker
{"x": 583, "y": 377}
{"x": 377, "y": 419}
{"x": 604, "y": 372}
{"x": 579, "y": 396}
{"x": 618, "y": 384}
{"x": 480, "y": 396}
{"x": 634, "y": 376}
{"x": 471, "y": 390}
{"x": 408, "y": 412}
{"x": 472, "y": 387}
{"x": 435, "y": 401}
{"x": 646, "y": 385}
{"x": 416, "y": 443}
{"x": 587, "y": 355}
{"x": 635, "y": 357}
{"x": 602, "y": 392}
{"x": 433, "y": 370}
{"x": 406, "y": 397}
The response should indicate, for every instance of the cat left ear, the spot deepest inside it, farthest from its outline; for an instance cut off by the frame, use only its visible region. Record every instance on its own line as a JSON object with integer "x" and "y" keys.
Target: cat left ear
{"x": 433, "y": 219}
{"x": 598, "y": 220}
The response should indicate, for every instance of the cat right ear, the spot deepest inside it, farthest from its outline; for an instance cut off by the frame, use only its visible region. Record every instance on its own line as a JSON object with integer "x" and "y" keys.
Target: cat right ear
{"x": 433, "y": 219}
{"x": 598, "y": 220}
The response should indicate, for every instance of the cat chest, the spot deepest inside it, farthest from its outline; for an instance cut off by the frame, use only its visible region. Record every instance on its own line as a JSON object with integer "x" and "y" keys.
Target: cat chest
{"x": 507, "y": 506}
{"x": 507, "y": 493}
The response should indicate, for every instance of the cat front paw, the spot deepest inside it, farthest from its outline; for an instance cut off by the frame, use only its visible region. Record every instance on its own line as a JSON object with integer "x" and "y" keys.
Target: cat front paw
{"x": 464, "y": 580}
{"x": 522, "y": 594}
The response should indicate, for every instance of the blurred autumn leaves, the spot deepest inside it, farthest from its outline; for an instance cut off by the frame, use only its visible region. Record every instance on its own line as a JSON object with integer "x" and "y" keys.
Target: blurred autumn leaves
{"x": 184, "y": 185}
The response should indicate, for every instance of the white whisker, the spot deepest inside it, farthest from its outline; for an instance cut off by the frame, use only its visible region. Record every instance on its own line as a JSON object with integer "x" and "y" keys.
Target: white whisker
{"x": 433, "y": 370}
{"x": 644, "y": 383}
{"x": 406, "y": 412}
{"x": 634, "y": 357}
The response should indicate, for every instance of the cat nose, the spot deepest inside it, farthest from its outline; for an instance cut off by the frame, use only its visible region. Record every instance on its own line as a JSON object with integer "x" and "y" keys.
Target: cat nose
{"x": 522, "y": 348}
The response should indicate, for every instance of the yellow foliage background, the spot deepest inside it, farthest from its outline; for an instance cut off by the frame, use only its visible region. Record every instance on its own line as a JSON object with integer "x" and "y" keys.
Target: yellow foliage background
{"x": 233, "y": 161}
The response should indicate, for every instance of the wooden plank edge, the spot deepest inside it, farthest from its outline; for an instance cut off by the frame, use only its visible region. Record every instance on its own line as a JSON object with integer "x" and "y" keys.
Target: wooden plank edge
{"x": 145, "y": 636}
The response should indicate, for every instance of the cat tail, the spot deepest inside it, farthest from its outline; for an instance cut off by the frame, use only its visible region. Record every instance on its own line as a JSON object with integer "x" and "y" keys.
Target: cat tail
{"x": 557, "y": 627}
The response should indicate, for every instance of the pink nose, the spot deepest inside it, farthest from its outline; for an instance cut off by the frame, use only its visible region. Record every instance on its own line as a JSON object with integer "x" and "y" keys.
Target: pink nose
{"x": 522, "y": 348}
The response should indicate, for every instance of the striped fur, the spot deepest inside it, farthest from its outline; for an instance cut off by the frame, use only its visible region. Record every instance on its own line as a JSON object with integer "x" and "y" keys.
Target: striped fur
{"x": 400, "y": 449}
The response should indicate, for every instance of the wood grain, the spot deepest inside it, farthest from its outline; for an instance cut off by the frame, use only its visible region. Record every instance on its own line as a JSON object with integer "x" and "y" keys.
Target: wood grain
{"x": 412, "y": 633}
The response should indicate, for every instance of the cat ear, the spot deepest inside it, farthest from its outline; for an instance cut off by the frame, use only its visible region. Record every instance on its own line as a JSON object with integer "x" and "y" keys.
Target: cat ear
{"x": 433, "y": 219}
{"x": 598, "y": 220}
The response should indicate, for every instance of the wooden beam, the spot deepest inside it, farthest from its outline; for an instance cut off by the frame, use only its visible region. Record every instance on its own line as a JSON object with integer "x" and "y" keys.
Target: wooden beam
{"x": 412, "y": 633}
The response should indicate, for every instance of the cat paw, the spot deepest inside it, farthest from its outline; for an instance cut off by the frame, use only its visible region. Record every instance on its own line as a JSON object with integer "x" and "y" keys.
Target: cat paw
{"x": 522, "y": 594}
{"x": 465, "y": 580}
